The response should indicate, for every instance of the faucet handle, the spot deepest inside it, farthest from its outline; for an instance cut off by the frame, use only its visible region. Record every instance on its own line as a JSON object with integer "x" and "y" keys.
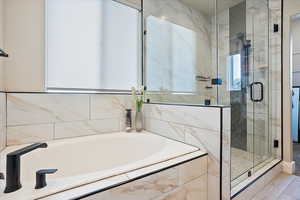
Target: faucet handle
{"x": 41, "y": 177}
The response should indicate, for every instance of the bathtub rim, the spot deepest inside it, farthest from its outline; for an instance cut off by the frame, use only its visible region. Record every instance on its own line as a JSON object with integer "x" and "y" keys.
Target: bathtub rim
{"x": 162, "y": 165}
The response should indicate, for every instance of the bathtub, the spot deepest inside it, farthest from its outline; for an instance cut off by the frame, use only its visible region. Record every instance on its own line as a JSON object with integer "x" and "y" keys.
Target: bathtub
{"x": 85, "y": 160}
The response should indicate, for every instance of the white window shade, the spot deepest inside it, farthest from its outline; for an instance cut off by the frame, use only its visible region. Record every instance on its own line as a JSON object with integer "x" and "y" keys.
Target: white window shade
{"x": 92, "y": 44}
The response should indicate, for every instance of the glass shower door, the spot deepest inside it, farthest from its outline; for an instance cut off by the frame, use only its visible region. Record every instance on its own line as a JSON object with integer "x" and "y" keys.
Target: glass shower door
{"x": 258, "y": 12}
{"x": 247, "y": 84}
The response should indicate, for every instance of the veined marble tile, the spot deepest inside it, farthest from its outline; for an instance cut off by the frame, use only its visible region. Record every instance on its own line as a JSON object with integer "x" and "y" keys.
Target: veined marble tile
{"x": 83, "y": 128}
{"x": 203, "y": 117}
{"x": 109, "y": 106}
{"x": 133, "y": 3}
{"x": 29, "y": 134}
{"x": 192, "y": 170}
{"x": 194, "y": 190}
{"x": 149, "y": 187}
{"x": 152, "y": 111}
{"x": 172, "y": 113}
{"x": 85, "y": 189}
{"x": 167, "y": 129}
{"x": 206, "y": 140}
{"x": 25, "y": 109}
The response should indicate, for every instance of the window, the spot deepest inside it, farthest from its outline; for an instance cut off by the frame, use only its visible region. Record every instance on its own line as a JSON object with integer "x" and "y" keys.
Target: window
{"x": 92, "y": 44}
{"x": 234, "y": 73}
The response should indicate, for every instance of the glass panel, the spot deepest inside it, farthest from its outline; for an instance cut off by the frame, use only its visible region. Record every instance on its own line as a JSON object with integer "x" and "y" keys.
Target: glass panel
{"x": 255, "y": 122}
{"x": 259, "y": 12}
{"x": 171, "y": 56}
{"x": 180, "y": 51}
{"x": 235, "y": 69}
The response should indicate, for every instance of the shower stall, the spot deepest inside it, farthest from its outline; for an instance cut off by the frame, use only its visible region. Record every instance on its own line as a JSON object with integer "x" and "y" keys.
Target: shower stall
{"x": 221, "y": 52}
{"x": 249, "y": 53}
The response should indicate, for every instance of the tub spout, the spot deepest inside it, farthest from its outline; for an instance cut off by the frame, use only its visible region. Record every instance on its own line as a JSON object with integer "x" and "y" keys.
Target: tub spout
{"x": 13, "y": 166}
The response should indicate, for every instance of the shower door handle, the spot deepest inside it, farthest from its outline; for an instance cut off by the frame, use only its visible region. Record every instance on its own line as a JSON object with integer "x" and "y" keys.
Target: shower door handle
{"x": 261, "y": 91}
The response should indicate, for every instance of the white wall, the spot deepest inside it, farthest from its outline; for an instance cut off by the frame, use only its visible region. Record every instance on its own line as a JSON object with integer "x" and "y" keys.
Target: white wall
{"x": 1, "y": 46}
{"x": 291, "y": 8}
{"x": 24, "y": 41}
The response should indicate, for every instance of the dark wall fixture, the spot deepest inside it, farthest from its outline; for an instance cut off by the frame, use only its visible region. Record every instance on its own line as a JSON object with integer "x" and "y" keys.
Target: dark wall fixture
{"x": 3, "y": 54}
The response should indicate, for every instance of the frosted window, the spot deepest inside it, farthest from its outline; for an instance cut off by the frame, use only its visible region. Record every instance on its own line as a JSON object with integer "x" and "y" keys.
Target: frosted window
{"x": 92, "y": 44}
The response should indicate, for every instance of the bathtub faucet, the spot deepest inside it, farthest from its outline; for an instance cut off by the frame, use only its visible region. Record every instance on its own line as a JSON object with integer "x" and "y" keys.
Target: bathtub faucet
{"x": 13, "y": 166}
{"x": 128, "y": 120}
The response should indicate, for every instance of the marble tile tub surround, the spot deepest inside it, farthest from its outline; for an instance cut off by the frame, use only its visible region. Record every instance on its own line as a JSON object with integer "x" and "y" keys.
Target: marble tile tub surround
{"x": 201, "y": 127}
{"x": 34, "y": 117}
{"x": 187, "y": 181}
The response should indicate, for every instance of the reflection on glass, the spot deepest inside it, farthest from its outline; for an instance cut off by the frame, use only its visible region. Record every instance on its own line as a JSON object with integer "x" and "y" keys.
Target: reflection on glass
{"x": 171, "y": 56}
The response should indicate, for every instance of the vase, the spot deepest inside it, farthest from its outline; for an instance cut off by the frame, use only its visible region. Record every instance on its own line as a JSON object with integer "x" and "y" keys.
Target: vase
{"x": 139, "y": 121}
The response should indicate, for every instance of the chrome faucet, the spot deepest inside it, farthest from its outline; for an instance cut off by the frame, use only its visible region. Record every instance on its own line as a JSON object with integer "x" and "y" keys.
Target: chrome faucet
{"x": 13, "y": 166}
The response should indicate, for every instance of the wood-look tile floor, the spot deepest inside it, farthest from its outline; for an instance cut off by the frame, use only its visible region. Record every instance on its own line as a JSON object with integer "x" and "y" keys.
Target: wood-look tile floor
{"x": 296, "y": 149}
{"x": 282, "y": 187}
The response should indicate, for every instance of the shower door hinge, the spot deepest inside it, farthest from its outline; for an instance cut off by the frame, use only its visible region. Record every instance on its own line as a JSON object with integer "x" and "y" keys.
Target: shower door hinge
{"x": 276, "y": 28}
{"x": 276, "y": 143}
{"x": 145, "y": 32}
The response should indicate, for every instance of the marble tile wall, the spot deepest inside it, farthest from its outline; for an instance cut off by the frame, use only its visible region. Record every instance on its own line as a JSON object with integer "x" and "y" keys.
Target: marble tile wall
{"x": 200, "y": 127}
{"x": 41, "y": 117}
{"x": 133, "y": 3}
{"x": 187, "y": 181}
{"x": 2, "y": 121}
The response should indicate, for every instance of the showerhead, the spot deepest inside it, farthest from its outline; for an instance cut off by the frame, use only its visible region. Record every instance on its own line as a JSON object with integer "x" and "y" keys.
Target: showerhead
{"x": 242, "y": 37}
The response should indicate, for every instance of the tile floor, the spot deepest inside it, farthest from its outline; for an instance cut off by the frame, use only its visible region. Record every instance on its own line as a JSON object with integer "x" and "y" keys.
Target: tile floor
{"x": 296, "y": 148}
{"x": 283, "y": 187}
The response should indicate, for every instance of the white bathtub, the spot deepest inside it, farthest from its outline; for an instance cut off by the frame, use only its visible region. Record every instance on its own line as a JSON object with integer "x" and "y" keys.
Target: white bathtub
{"x": 85, "y": 160}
